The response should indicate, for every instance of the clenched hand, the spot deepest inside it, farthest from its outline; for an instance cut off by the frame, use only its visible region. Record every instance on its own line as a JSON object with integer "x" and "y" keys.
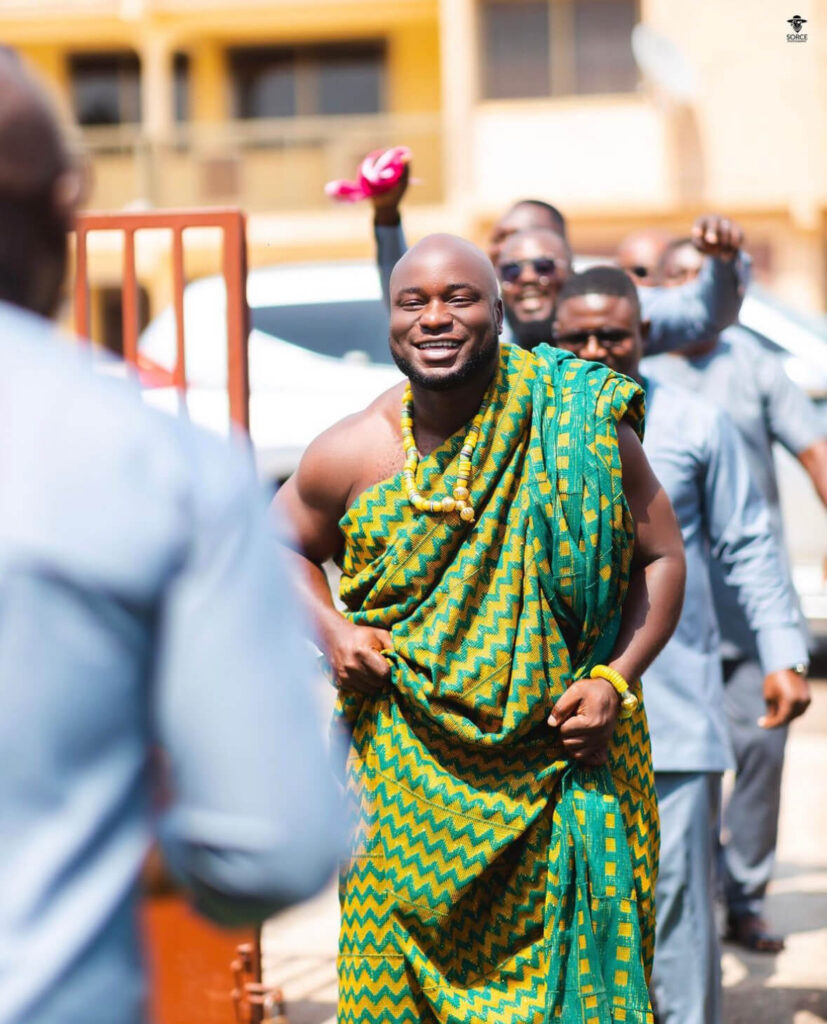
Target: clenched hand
{"x": 787, "y": 695}
{"x": 586, "y": 716}
{"x": 353, "y": 653}
{"x": 717, "y": 236}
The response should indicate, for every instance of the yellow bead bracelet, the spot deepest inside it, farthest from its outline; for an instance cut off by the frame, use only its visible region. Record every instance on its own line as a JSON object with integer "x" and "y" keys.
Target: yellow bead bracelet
{"x": 628, "y": 701}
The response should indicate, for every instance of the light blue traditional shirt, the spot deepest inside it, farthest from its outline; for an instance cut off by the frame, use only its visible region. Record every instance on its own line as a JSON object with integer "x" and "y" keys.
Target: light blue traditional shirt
{"x": 750, "y": 385}
{"x": 142, "y": 603}
{"x": 699, "y": 459}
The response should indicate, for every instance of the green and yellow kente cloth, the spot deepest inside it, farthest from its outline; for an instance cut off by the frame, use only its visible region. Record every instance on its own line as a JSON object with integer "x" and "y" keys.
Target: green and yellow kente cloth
{"x": 492, "y": 880}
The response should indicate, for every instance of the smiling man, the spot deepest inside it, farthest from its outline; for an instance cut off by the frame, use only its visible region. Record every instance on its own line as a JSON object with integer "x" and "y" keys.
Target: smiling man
{"x": 532, "y": 266}
{"x": 498, "y": 594}
{"x": 697, "y": 455}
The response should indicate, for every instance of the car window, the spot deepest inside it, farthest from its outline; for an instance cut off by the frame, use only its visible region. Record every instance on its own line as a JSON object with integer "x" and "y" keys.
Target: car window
{"x": 816, "y": 323}
{"x": 336, "y": 329}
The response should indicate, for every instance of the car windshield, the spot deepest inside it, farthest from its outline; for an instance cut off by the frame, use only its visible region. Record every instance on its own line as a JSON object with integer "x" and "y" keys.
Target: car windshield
{"x": 816, "y": 323}
{"x": 355, "y": 330}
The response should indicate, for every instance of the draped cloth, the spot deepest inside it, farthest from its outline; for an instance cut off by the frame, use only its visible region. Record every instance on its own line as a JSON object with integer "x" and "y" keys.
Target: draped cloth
{"x": 492, "y": 879}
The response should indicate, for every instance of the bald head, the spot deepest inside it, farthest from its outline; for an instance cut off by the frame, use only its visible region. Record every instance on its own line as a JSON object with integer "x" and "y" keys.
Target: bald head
{"x": 639, "y": 254}
{"x": 39, "y": 189}
{"x": 449, "y": 255}
{"x": 446, "y": 314}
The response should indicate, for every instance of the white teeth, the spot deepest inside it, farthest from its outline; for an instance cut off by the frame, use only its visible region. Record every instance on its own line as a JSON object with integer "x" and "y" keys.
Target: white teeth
{"x": 438, "y": 344}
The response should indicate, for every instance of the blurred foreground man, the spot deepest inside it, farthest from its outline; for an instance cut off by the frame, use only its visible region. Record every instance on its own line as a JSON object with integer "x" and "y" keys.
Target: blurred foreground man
{"x": 140, "y": 605}
{"x": 699, "y": 459}
{"x": 735, "y": 373}
{"x": 498, "y": 594}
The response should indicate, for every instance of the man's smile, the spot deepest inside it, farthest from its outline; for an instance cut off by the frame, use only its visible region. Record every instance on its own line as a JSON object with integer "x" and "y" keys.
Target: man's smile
{"x": 438, "y": 343}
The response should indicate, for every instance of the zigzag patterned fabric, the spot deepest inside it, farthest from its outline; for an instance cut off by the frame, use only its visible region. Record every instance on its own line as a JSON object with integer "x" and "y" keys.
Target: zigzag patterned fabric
{"x": 491, "y": 879}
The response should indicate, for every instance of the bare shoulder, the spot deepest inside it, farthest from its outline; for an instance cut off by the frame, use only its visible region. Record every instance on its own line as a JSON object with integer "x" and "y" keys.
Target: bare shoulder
{"x": 340, "y": 459}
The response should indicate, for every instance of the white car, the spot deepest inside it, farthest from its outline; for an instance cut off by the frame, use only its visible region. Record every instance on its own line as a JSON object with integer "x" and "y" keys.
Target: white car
{"x": 318, "y": 352}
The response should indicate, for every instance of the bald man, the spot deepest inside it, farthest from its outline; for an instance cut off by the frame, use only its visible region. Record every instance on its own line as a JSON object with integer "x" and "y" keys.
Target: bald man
{"x": 142, "y": 607}
{"x": 508, "y": 563}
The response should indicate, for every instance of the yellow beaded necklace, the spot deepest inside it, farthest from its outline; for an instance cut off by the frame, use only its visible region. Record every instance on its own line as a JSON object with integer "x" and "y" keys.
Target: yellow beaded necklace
{"x": 460, "y": 501}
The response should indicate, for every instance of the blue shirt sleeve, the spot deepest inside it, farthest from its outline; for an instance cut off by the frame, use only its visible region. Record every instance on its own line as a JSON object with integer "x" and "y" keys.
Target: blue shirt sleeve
{"x": 741, "y": 540}
{"x": 254, "y": 823}
{"x": 390, "y": 248}
{"x": 697, "y": 311}
{"x": 792, "y": 418}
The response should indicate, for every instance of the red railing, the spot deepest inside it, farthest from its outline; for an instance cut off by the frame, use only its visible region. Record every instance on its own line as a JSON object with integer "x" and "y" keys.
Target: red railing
{"x": 234, "y": 266}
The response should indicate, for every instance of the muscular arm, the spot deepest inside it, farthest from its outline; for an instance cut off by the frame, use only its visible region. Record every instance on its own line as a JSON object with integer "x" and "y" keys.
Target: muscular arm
{"x": 655, "y": 596}
{"x": 587, "y": 712}
{"x": 814, "y": 460}
{"x": 313, "y": 500}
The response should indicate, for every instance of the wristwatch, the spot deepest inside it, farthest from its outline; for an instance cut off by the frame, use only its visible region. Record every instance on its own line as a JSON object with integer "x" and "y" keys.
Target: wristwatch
{"x": 801, "y": 669}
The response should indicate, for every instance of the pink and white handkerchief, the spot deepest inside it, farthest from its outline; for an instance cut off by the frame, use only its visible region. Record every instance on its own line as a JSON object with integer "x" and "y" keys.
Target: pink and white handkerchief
{"x": 378, "y": 172}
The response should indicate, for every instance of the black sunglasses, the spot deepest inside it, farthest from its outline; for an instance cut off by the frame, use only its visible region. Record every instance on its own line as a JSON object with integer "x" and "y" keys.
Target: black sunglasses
{"x": 544, "y": 266}
{"x": 606, "y": 337}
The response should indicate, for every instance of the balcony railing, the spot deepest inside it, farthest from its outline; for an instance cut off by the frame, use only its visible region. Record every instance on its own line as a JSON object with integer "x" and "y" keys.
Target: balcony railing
{"x": 261, "y": 165}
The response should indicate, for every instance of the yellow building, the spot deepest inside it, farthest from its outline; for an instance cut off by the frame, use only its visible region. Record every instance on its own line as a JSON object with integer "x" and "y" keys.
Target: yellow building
{"x": 259, "y": 102}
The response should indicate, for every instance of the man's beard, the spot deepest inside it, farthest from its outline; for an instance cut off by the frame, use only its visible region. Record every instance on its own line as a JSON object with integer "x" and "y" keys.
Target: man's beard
{"x": 529, "y": 333}
{"x": 485, "y": 355}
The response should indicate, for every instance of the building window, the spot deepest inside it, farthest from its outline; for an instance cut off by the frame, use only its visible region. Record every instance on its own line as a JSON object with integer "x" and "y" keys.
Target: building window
{"x": 106, "y": 88}
{"x": 603, "y": 60}
{"x": 181, "y": 87}
{"x": 304, "y": 81}
{"x": 516, "y": 52}
{"x": 535, "y": 48}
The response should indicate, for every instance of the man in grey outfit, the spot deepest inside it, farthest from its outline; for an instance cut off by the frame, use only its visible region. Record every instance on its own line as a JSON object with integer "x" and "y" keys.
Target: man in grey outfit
{"x": 700, "y": 461}
{"x": 735, "y": 373}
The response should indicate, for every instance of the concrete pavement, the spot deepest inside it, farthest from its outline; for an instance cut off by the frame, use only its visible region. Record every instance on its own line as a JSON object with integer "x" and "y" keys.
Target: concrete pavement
{"x": 791, "y": 988}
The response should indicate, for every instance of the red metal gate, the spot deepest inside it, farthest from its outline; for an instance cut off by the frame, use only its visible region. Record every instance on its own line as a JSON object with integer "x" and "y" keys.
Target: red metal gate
{"x": 234, "y": 267}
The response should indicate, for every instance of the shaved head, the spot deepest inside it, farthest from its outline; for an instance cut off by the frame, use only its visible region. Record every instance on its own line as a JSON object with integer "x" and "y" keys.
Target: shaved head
{"x": 39, "y": 188}
{"x": 447, "y": 251}
{"x": 446, "y": 314}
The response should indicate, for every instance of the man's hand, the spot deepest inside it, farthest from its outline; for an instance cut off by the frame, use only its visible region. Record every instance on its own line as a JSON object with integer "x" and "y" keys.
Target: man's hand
{"x": 353, "y": 655}
{"x": 717, "y": 236}
{"x": 386, "y": 204}
{"x": 586, "y": 715}
{"x": 787, "y": 695}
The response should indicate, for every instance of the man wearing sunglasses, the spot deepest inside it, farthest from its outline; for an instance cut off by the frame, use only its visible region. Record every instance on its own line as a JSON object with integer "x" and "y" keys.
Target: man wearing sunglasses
{"x": 698, "y": 457}
{"x": 532, "y": 266}
{"x": 678, "y": 317}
